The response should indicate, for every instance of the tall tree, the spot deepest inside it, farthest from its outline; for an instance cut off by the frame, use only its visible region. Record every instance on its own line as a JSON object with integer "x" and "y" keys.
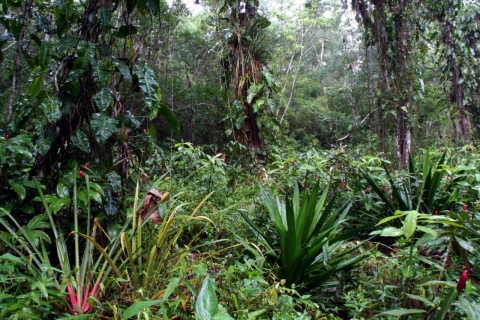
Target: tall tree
{"x": 389, "y": 27}
{"x": 249, "y": 53}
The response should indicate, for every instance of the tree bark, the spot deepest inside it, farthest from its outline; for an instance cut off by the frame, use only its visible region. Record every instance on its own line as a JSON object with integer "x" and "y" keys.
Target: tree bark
{"x": 27, "y": 10}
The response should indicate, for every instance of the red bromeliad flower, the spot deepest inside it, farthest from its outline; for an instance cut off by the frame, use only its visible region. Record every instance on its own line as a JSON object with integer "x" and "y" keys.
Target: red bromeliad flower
{"x": 86, "y": 165}
{"x": 464, "y": 207}
{"x": 463, "y": 281}
{"x": 7, "y": 137}
{"x": 339, "y": 167}
{"x": 80, "y": 174}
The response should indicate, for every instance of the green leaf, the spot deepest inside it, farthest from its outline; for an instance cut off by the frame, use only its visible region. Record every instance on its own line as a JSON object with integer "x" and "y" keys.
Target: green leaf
{"x": 410, "y": 224}
{"x": 80, "y": 140}
{"x": 44, "y": 54}
{"x": 104, "y": 127}
{"x": 401, "y": 312}
{"x": 63, "y": 15}
{"x": 428, "y": 230}
{"x": 19, "y": 189}
{"x": 170, "y": 118}
{"x": 103, "y": 98}
{"x": 149, "y": 86}
{"x": 37, "y": 75}
{"x": 52, "y": 110}
{"x": 422, "y": 299}
{"x": 207, "y": 303}
{"x": 131, "y": 4}
{"x": 122, "y": 67}
{"x": 391, "y": 232}
{"x": 137, "y": 307}
{"x": 442, "y": 309}
{"x": 62, "y": 191}
{"x": 66, "y": 42}
{"x": 127, "y": 30}
{"x": 104, "y": 15}
{"x": 85, "y": 54}
{"x": 99, "y": 73}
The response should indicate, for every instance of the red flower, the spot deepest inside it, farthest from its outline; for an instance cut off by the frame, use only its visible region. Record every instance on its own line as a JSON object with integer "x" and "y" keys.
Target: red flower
{"x": 86, "y": 165}
{"x": 215, "y": 152}
{"x": 80, "y": 174}
{"x": 464, "y": 207}
{"x": 436, "y": 213}
{"x": 366, "y": 191}
{"x": 339, "y": 167}
{"x": 144, "y": 180}
{"x": 7, "y": 137}
{"x": 463, "y": 281}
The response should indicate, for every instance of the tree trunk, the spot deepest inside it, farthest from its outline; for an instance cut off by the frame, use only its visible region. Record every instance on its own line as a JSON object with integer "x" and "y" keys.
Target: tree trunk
{"x": 457, "y": 90}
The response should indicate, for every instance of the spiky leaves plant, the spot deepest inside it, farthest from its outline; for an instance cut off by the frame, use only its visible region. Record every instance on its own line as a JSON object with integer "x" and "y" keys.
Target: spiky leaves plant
{"x": 311, "y": 237}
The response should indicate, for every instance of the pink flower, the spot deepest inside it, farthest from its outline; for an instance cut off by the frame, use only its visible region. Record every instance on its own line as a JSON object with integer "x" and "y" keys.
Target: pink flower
{"x": 464, "y": 207}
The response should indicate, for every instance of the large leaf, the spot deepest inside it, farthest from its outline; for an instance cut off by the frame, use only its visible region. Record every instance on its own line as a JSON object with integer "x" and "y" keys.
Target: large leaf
{"x": 80, "y": 140}
{"x": 135, "y": 308}
{"x": 99, "y": 73}
{"x": 104, "y": 127}
{"x": 52, "y": 109}
{"x": 207, "y": 303}
{"x": 149, "y": 86}
{"x": 36, "y": 83}
{"x": 127, "y": 30}
{"x": 44, "y": 54}
{"x": 63, "y": 15}
{"x": 104, "y": 15}
{"x": 122, "y": 67}
{"x": 170, "y": 118}
{"x": 19, "y": 189}
{"x": 103, "y": 98}
{"x": 85, "y": 54}
{"x": 66, "y": 42}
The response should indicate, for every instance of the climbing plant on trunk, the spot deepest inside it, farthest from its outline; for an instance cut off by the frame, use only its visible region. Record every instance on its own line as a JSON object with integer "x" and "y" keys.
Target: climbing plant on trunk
{"x": 88, "y": 81}
{"x": 389, "y": 27}
{"x": 249, "y": 51}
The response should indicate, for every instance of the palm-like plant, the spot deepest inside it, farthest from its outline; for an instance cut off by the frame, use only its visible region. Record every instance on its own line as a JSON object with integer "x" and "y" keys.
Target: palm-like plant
{"x": 311, "y": 237}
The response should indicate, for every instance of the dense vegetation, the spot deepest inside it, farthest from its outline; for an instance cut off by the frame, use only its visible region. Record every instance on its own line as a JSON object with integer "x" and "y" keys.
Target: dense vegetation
{"x": 251, "y": 160}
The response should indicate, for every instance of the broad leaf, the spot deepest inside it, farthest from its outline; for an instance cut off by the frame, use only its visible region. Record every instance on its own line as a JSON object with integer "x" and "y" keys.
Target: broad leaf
{"x": 80, "y": 140}
{"x": 149, "y": 86}
{"x": 52, "y": 110}
{"x": 66, "y": 42}
{"x": 104, "y": 15}
{"x": 127, "y": 30}
{"x": 103, "y": 98}
{"x": 99, "y": 73}
{"x": 122, "y": 67}
{"x": 207, "y": 303}
{"x": 104, "y": 127}
{"x": 170, "y": 118}
{"x": 85, "y": 54}
{"x": 19, "y": 189}
{"x": 44, "y": 54}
